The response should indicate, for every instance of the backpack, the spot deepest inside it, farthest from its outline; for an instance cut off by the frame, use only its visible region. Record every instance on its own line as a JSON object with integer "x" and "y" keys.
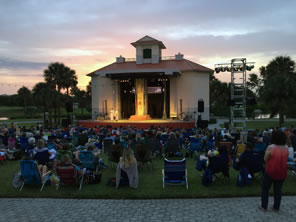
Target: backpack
{"x": 243, "y": 177}
{"x": 94, "y": 178}
{"x": 207, "y": 177}
{"x": 17, "y": 180}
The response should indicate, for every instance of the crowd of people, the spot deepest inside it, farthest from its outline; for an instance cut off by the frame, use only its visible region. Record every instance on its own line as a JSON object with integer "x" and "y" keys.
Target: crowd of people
{"x": 126, "y": 145}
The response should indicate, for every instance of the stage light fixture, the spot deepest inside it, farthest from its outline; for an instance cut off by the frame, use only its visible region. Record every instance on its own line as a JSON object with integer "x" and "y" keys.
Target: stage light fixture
{"x": 223, "y": 68}
{"x": 250, "y": 67}
{"x": 241, "y": 68}
{"x": 228, "y": 69}
{"x": 217, "y": 69}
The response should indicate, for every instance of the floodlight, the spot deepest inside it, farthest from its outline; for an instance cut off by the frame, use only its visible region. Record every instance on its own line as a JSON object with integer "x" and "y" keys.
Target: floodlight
{"x": 250, "y": 67}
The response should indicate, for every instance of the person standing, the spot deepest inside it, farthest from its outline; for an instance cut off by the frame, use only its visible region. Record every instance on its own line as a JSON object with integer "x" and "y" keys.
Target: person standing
{"x": 276, "y": 157}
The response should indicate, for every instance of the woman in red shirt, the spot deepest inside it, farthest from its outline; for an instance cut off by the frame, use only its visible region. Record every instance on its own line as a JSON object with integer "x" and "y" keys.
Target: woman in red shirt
{"x": 276, "y": 157}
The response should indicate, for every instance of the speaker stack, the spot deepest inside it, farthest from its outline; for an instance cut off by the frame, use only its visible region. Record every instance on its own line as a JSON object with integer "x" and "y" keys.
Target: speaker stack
{"x": 201, "y": 108}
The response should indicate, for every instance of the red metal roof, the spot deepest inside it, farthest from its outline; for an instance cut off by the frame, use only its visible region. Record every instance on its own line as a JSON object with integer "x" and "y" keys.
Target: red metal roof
{"x": 132, "y": 67}
{"x": 147, "y": 40}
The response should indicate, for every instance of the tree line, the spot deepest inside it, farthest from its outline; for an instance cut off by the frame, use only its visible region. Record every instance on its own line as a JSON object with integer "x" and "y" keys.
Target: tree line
{"x": 272, "y": 91}
{"x": 59, "y": 87}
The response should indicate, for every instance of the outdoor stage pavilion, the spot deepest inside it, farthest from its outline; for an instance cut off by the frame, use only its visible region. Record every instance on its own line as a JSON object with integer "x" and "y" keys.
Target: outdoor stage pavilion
{"x": 150, "y": 89}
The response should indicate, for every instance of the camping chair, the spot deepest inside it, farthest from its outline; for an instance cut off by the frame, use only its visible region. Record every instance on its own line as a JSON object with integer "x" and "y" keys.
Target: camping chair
{"x": 23, "y": 141}
{"x": 194, "y": 145}
{"x": 220, "y": 166}
{"x": 88, "y": 160}
{"x": 107, "y": 145}
{"x": 154, "y": 144}
{"x": 174, "y": 172}
{"x": 115, "y": 153}
{"x": 227, "y": 144}
{"x": 260, "y": 147}
{"x": 255, "y": 164}
{"x": 68, "y": 175}
{"x": 31, "y": 175}
{"x": 143, "y": 154}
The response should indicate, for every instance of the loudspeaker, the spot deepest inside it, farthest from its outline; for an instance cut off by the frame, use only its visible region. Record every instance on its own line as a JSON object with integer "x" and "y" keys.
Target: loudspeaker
{"x": 200, "y": 106}
{"x": 69, "y": 107}
{"x": 203, "y": 124}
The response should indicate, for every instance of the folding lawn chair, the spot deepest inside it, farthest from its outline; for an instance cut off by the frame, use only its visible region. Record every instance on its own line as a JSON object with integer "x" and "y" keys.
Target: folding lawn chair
{"x": 227, "y": 144}
{"x": 31, "y": 175}
{"x": 260, "y": 147}
{"x": 143, "y": 154}
{"x": 88, "y": 160}
{"x": 107, "y": 145}
{"x": 68, "y": 175}
{"x": 220, "y": 166}
{"x": 174, "y": 172}
{"x": 255, "y": 165}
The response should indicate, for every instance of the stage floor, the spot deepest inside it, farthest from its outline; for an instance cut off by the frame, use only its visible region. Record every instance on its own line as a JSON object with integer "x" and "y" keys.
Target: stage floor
{"x": 139, "y": 124}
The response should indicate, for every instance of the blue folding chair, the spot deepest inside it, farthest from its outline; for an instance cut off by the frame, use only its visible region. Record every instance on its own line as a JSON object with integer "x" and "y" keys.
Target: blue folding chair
{"x": 31, "y": 175}
{"x": 174, "y": 172}
{"x": 260, "y": 147}
{"x": 24, "y": 143}
{"x": 164, "y": 139}
{"x": 88, "y": 160}
{"x": 194, "y": 145}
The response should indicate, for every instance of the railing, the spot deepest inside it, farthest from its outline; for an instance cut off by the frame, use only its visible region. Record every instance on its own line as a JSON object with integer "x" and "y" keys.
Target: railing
{"x": 130, "y": 59}
{"x": 161, "y": 58}
{"x": 168, "y": 58}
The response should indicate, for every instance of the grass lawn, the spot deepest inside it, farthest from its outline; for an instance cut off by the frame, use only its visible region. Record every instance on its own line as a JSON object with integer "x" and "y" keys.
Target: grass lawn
{"x": 263, "y": 124}
{"x": 150, "y": 186}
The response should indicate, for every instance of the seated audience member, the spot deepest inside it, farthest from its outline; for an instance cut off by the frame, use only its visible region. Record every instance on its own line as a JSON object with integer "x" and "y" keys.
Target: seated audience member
{"x": 210, "y": 159}
{"x": 249, "y": 160}
{"x": 127, "y": 171}
{"x": 219, "y": 160}
{"x": 172, "y": 145}
{"x": 116, "y": 150}
{"x": 31, "y": 146}
{"x": 254, "y": 139}
{"x": 244, "y": 157}
{"x": 291, "y": 158}
{"x": 66, "y": 160}
{"x": 42, "y": 155}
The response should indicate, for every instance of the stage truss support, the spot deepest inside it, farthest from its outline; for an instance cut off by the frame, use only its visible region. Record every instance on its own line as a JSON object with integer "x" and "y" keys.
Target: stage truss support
{"x": 238, "y": 94}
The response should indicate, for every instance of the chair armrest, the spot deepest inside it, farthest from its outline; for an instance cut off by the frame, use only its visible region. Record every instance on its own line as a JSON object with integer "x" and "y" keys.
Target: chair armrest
{"x": 49, "y": 172}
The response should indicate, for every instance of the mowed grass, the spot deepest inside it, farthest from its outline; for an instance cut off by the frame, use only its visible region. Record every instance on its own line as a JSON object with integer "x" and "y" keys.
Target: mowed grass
{"x": 150, "y": 185}
{"x": 263, "y": 124}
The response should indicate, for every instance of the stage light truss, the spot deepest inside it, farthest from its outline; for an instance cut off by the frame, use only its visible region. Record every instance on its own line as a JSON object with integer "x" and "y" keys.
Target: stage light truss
{"x": 238, "y": 68}
{"x": 227, "y": 67}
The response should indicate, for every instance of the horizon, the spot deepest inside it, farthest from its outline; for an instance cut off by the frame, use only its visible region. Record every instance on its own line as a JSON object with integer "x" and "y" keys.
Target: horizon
{"x": 89, "y": 36}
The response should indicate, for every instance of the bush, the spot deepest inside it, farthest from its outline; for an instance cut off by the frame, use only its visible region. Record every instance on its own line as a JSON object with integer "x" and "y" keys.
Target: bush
{"x": 213, "y": 121}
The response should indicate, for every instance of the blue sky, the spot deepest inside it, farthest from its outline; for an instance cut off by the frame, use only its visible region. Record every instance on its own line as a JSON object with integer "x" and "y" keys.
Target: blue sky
{"x": 86, "y": 35}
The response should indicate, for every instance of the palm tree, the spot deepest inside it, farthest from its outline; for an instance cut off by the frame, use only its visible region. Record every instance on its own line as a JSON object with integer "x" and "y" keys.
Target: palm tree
{"x": 61, "y": 77}
{"x": 25, "y": 95}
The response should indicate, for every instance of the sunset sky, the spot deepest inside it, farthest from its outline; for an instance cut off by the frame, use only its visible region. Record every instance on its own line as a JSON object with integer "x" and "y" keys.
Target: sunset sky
{"x": 87, "y": 35}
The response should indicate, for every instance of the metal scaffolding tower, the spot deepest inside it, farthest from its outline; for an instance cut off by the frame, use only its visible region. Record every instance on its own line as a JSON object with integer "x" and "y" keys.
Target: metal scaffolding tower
{"x": 238, "y": 68}
{"x": 238, "y": 94}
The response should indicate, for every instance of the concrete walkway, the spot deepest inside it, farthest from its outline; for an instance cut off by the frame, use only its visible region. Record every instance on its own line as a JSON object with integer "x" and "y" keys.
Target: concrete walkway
{"x": 222, "y": 209}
